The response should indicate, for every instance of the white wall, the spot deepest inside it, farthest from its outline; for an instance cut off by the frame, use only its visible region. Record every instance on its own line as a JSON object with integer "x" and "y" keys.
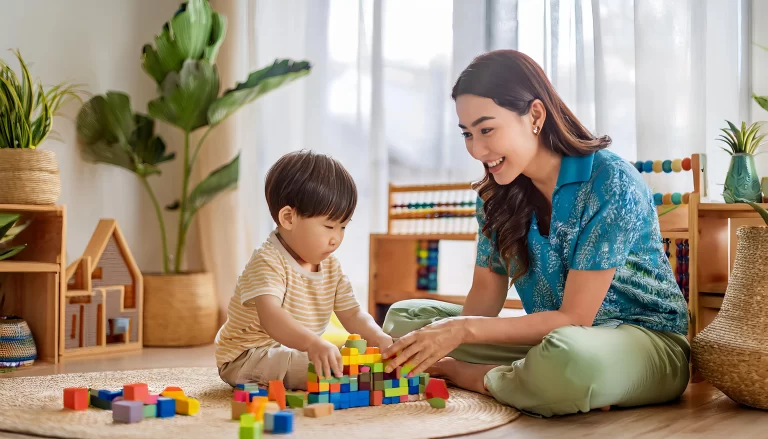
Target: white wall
{"x": 759, "y": 74}
{"x": 97, "y": 43}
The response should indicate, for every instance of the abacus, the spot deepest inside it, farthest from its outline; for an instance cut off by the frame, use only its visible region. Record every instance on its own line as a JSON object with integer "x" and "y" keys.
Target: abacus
{"x": 444, "y": 209}
{"x": 695, "y": 163}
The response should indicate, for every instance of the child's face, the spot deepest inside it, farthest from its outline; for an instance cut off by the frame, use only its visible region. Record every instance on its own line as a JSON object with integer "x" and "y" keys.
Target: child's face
{"x": 314, "y": 239}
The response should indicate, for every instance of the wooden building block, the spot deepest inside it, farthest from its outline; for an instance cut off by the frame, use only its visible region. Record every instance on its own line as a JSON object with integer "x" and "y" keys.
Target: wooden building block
{"x": 282, "y": 423}
{"x": 100, "y": 403}
{"x": 150, "y": 411}
{"x": 187, "y": 406}
{"x": 403, "y": 398}
{"x": 151, "y": 399}
{"x": 335, "y": 388}
{"x": 127, "y": 412}
{"x": 376, "y": 397}
{"x": 353, "y": 337}
{"x": 238, "y": 409}
{"x": 76, "y": 398}
{"x": 269, "y": 421}
{"x": 272, "y": 407}
{"x": 318, "y": 410}
{"x": 166, "y": 407}
{"x": 348, "y": 352}
{"x": 437, "y": 403}
{"x": 436, "y": 388}
{"x": 277, "y": 393}
{"x": 241, "y": 395}
{"x": 175, "y": 394}
{"x": 295, "y": 400}
{"x": 250, "y": 428}
{"x": 135, "y": 392}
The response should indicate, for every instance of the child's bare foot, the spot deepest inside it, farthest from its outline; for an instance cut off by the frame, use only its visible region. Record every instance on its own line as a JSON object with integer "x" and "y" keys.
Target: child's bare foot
{"x": 465, "y": 375}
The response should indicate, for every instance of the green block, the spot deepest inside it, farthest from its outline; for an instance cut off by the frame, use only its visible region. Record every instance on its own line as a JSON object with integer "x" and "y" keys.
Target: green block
{"x": 388, "y": 393}
{"x": 250, "y": 428}
{"x": 334, "y": 380}
{"x": 353, "y": 386}
{"x": 437, "y": 403}
{"x": 379, "y": 385}
{"x": 404, "y": 382}
{"x": 360, "y": 345}
{"x": 387, "y": 384}
{"x": 312, "y": 377}
{"x": 252, "y": 387}
{"x": 423, "y": 378}
{"x": 311, "y": 368}
{"x": 422, "y": 388}
{"x": 345, "y": 379}
{"x": 378, "y": 367}
{"x": 325, "y": 381}
{"x": 150, "y": 411}
{"x": 325, "y": 398}
{"x": 406, "y": 369}
{"x": 295, "y": 400}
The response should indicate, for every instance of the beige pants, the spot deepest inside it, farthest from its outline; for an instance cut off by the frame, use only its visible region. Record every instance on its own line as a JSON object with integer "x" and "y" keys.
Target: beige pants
{"x": 265, "y": 364}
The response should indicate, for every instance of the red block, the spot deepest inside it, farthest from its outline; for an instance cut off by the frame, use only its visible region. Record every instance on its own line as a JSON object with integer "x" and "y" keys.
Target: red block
{"x": 436, "y": 388}
{"x": 277, "y": 393}
{"x": 313, "y": 387}
{"x": 135, "y": 392}
{"x": 241, "y": 396}
{"x": 151, "y": 400}
{"x": 352, "y": 370}
{"x": 403, "y": 398}
{"x": 76, "y": 398}
{"x": 376, "y": 397}
{"x": 335, "y": 387}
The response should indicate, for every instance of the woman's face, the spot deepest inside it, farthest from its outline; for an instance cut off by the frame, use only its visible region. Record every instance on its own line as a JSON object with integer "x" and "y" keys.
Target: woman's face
{"x": 504, "y": 141}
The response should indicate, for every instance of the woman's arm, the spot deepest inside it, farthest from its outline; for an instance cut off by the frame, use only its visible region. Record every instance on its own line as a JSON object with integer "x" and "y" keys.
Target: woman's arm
{"x": 487, "y": 295}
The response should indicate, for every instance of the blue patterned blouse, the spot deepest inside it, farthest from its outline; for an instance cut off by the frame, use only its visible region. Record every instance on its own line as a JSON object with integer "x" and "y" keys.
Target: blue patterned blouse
{"x": 603, "y": 216}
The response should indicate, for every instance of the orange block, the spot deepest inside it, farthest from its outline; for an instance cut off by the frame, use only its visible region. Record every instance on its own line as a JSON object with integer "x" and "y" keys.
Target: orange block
{"x": 313, "y": 387}
{"x": 135, "y": 392}
{"x": 277, "y": 393}
{"x": 76, "y": 398}
{"x": 369, "y": 350}
{"x": 376, "y": 397}
{"x": 335, "y": 387}
{"x": 353, "y": 337}
{"x": 173, "y": 389}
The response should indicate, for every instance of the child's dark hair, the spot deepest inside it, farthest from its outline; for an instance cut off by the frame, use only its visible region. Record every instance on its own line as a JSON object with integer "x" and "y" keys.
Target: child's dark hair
{"x": 314, "y": 184}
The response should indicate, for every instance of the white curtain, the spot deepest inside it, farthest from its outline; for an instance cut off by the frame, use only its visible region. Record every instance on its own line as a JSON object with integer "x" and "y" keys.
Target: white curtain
{"x": 658, "y": 76}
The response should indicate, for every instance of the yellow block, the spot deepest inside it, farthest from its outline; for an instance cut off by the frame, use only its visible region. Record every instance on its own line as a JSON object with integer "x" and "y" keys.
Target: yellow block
{"x": 345, "y": 360}
{"x": 376, "y": 358}
{"x": 349, "y": 351}
{"x": 173, "y": 394}
{"x": 353, "y": 337}
{"x": 354, "y": 360}
{"x": 187, "y": 406}
{"x": 324, "y": 387}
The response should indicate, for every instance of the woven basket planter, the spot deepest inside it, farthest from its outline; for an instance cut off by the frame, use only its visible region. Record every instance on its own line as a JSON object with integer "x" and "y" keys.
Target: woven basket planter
{"x": 17, "y": 346}
{"x": 180, "y": 309}
{"x": 29, "y": 176}
{"x": 732, "y": 351}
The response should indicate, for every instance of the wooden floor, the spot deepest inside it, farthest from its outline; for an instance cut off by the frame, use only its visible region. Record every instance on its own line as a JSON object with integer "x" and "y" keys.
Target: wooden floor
{"x": 702, "y": 412}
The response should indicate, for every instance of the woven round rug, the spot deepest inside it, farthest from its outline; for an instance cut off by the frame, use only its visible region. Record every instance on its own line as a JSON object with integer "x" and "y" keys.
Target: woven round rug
{"x": 34, "y": 405}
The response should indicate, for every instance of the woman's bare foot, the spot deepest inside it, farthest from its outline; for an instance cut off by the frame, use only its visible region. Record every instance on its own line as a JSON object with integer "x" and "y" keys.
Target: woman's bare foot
{"x": 465, "y": 375}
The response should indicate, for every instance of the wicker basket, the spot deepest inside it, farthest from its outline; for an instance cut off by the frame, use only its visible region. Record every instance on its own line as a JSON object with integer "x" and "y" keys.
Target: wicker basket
{"x": 732, "y": 351}
{"x": 29, "y": 176}
{"x": 17, "y": 347}
{"x": 180, "y": 309}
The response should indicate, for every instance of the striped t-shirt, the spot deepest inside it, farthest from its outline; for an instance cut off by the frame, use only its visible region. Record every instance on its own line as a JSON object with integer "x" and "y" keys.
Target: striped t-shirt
{"x": 309, "y": 297}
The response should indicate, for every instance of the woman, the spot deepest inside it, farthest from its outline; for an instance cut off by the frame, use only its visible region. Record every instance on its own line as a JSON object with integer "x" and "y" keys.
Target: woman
{"x": 575, "y": 228}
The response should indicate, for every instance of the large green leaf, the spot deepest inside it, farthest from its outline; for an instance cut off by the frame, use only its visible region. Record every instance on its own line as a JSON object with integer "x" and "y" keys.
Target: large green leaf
{"x": 187, "y": 95}
{"x": 219, "y": 180}
{"x": 12, "y": 251}
{"x": 758, "y": 208}
{"x": 258, "y": 84}
{"x": 761, "y": 100}
{"x": 7, "y": 220}
{"x": 191, "y": 27}
{"x": 218, "y": 32}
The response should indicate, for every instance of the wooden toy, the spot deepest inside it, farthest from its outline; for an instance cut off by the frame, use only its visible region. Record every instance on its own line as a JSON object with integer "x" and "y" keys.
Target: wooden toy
{"x": 151, "y": 399}
{"x": 150, "y": 411}
{"x": 255, "y": 408}
{"x": 135, "y": 392}
{"x": 436, "y": 388}
{"x": 109, "y": 394}
{"x": 269, "y": 421}
{"x": 76, "y": 398}
{"x": 175, "y": 394}
{"x": 282, "y": 422}
{"x": 271, "y": 407}
{"x": 100, "y": 403}
{"x": 250, "y": 428}
{"x": 437, "y": 403}
{"x": 166, "y": 407}
{"x": 241, "y": 395}
{"x": 277, "y": 393}
{"x": 187, "y": 406}
{"x": 295, "y": 400}
{"x": 127, "y": 412}
{"x": 103, "y": 300}
{"x": 318, "y": 410}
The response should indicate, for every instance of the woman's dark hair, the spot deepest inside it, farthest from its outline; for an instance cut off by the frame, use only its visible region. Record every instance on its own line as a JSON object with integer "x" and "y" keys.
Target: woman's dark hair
{"x": 314, "y": 184}
{"x": 514, "y": 81}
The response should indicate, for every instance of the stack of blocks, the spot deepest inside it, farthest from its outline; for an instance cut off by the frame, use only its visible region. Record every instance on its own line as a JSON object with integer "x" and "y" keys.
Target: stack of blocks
{"x": 364, "y": 382}
{"x": 260, "y": 410}
{"x": 133, "y": 403}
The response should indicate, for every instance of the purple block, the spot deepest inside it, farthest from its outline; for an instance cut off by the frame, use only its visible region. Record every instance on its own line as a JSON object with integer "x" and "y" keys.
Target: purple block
{"x": 127, "y": 412}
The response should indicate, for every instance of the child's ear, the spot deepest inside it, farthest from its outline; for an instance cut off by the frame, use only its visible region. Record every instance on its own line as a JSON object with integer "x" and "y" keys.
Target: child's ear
{"x": 287, "y": 217}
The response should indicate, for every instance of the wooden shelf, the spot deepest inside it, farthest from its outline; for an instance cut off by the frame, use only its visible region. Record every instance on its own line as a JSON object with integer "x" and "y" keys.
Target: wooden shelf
{"x": 30, "y": 208}
{"x": 714, "y": 301}
{"x": 429, "y": 237}
{"x": 729, "y": 210}
{"x": 713, "y": 287}
{"x": 100, "y": 350}
{"x": 28, "y": 267}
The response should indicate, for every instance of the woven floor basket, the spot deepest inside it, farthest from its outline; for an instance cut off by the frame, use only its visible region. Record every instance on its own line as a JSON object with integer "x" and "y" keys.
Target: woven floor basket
{"x": 29, "y": 176}
{"x": 180, "y": 310}
{"x": 732, "y": 351}
{"x": 17, "y": 347}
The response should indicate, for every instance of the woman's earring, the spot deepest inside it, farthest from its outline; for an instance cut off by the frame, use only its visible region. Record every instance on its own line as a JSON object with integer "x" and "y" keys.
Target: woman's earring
{"x": 536, "y": 130}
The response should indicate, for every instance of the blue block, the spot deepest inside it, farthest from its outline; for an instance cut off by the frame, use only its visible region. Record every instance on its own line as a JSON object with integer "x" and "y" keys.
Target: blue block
{"x": 261, "y": 392}
{"x": 413, "y": 390}
{"x": 335, "y": 399}
{"x": 282, "y": 422}
{"x": 413, "y": 381}
{"x": 101, "y": 403}
{"x": 343, "y": 404}
{"x": 345, "y": 388}
{"x": 396, "y": 383}
{"x": 166, "y": 407}
{"x": 109, "y": 395}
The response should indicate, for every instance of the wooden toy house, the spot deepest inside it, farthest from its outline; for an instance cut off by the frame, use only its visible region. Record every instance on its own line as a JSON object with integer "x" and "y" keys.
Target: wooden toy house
{"x": 102, "y": 306}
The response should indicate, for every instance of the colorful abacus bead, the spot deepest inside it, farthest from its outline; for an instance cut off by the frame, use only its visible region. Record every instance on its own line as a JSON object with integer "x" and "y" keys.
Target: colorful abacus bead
{"x": 666, "y": 166}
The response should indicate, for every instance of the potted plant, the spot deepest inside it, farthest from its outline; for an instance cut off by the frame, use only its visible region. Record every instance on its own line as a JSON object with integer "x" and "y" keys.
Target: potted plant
{"x": 29, "y": 175}
{"x": 742, "y": 180}
{"x": 732, "y": 351}
{"x": 183, "y": 65}
{"x": 17, "y": 346}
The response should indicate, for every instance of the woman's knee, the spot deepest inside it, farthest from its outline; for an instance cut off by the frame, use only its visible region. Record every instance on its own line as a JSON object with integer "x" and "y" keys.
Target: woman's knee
{"x": 409, "y": 315}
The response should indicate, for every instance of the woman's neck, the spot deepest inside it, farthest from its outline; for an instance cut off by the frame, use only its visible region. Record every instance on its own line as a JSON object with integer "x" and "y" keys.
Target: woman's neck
{"x": 544, "y": 170}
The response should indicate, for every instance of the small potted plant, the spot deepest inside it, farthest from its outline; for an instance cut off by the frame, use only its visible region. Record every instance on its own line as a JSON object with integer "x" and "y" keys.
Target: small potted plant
{"x": 742, "y": 180}
{"x": 183, "y": 66}
{"x": 29, "y": 175}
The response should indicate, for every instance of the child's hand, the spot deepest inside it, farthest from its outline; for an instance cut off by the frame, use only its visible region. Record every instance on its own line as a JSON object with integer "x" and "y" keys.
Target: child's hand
{"x": 326, "y": 357}
{"x": 383, "y": 341}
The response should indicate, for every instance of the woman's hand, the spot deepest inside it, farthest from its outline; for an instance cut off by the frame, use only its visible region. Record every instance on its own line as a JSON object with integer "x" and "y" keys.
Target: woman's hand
{"x": 424, "y": 347}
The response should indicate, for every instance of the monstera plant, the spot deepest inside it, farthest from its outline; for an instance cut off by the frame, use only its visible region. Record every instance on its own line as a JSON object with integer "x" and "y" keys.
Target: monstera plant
{"x": 183, "y": 65}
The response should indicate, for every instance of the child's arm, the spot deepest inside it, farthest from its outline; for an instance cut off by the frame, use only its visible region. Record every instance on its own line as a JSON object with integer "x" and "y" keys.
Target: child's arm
{"x": 288, "y": 332}
{"x": 357, "y": 321}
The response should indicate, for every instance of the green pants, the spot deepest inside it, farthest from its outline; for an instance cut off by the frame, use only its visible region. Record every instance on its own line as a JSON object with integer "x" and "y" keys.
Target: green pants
{"x": 574, "y": 368}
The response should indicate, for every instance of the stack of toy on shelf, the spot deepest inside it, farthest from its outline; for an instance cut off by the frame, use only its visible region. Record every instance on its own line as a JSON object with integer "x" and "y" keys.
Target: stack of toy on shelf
{"x": 437, "y": 209}
{"x": 427, "y": 258}
{"x": 133, "y": 402}
{"x": 666, "y": 166}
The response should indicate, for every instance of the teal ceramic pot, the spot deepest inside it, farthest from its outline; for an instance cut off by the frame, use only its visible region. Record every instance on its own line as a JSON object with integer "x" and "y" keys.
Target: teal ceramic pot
{"x": 742, "y": 179}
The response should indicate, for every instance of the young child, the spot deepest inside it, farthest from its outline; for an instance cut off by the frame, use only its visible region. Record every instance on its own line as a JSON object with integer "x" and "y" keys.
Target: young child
{"x": 292, "y": 284}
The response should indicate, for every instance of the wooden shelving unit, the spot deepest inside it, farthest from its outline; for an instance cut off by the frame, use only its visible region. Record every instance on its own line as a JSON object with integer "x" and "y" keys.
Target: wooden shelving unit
{"x": 33, "y": 280}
